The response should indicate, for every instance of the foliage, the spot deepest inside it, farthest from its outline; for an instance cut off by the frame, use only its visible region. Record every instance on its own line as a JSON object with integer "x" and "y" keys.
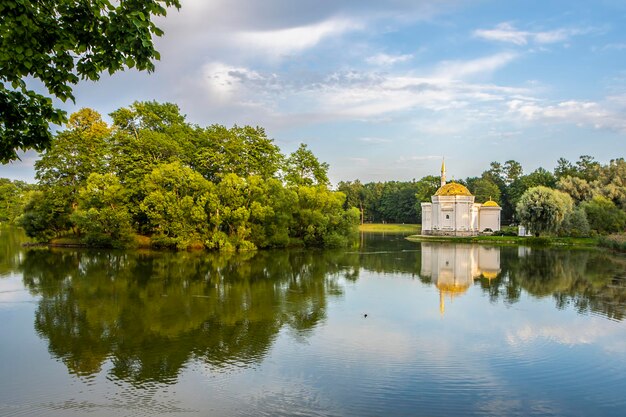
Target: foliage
{"x": 183, "y": 186}
{"x": 58, "y": 43}
{"x": 240, "y": 150}
{"x": 75, "y": 154}
{"x": 303, "y": 168}
{"x": 175, "y": 202}
{"x": 542, "y": 209}
{"x": 46, "y": 215}
{"x": 615, "y": 242}
{"x": 485, "y": 189}
{"x": 320, "y": 219}
{"x": 575, "y": 224}
{"x": 101, "y": 218}
{"x": 13, "y": 196}
{"x": 604, "y": 217}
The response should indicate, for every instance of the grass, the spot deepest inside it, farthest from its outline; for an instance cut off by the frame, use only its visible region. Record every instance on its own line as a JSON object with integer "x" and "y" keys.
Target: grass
{"x": 390, "y": 227}
{"x": 69, "y": 240}
{"x": 511, "y": 240}
{"x": 615, "y": 242}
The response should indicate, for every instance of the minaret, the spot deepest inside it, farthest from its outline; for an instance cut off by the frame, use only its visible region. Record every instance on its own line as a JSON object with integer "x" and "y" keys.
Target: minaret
{"x": 443, "y": 172}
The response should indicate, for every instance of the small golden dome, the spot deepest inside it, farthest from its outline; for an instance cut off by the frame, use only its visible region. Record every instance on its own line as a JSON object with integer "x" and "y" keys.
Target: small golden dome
{"x": 490, "y": 275}
{"x": 453, "y": 188}
{"x": 452, "y": 288}
{"x": 490, "y": 203}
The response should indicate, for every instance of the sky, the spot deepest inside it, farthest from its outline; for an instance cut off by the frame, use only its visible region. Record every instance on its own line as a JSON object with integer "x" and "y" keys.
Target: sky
{"x": 383, "y": 89}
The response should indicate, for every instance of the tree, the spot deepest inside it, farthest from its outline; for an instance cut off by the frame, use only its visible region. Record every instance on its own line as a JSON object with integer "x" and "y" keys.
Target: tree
{"x": 604, "y": 217}
{"x": 175, "y": 205}
{"x": 536, "y": 178}
{"x": 575, "y": 224}
{"x": 303, "y": 168}
{"x": 579, "y": 189}
{"x": 512, "y": 171}
{"x": 484, "y": 189}
{"x": 564, "y": 168}
{"x": 12, "y": 199}
{"x": 356, "y": 195}
{"x": 59, "y": 42}
{"x": 102, "y": 217}
{"x": 243, "y": 151}
{"x": 75, "y": 153}
{"x": 542, "y": 209}
{"x": 46, "y": 214}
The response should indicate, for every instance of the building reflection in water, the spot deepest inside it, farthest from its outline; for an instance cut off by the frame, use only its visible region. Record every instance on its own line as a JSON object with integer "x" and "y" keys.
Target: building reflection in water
{"x": 453, "y": 268}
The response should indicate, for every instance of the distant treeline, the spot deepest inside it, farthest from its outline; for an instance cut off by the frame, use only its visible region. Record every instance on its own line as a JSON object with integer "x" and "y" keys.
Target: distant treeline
{"x": 598, "y": 190}
{"x": 152, "y": 177}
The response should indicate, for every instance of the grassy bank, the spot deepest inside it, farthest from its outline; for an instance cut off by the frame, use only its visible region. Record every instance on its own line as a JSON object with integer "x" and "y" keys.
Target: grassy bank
{"x": 510, "y": 240}
{"x": 390, "y": 227}
{"x": 615, "y": 242}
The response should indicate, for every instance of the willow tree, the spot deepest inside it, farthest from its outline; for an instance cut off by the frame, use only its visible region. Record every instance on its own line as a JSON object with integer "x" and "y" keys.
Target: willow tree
{"x": 542, "y": 209}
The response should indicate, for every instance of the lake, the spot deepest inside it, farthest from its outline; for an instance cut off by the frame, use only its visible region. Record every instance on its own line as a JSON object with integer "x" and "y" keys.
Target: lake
{"x": 387, "y": 327}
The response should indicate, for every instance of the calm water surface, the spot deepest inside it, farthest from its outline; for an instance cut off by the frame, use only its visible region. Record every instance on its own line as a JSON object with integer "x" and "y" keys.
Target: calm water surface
{"x": 450, "y": 330}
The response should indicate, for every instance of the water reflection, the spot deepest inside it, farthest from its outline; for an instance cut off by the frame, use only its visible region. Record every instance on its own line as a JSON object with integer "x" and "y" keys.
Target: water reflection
{"x": 453, "y": 268}
{"x": 143, "y": 317}
{"x": 591, "y": 281}
{"x": 150, "y": 313}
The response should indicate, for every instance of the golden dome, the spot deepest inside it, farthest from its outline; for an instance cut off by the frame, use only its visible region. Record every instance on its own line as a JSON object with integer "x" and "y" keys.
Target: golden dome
{"x": 490, "y": 203}
{"x": 453, "y": 188}
{"x": 490, "y": 275}
{"x": 452, "y": 288}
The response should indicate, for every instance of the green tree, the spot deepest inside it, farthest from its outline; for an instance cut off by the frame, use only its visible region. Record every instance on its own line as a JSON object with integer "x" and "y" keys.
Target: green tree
{"x": 58, "y": 42}
{"x": 74, "y": 154}
{"x": 303, "y": 168}
{"x": 102, "y": 218}
{"x": 243, "y": 151}
{"x": 536, "y": 178}
{"x": 512, "y": 171}
{"x": 578, "y": 188}
{"x": 356, "y": 196}
{"x": 320, "y": 219}
{"x": 575, "y": 224}
{"x": 12, "y": 199}
{"x": 564, "y": 168}
{"x": 542, "y": 209}
{"x": 485, "y": 189}
{"x": 46, "y": 214}
{"x": 604, "y": 217}
{"x": 175, "y": 205}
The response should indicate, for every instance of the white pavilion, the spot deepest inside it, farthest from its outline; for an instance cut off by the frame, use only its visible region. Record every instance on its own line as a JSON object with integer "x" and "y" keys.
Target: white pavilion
{"x": 453, "y": 212}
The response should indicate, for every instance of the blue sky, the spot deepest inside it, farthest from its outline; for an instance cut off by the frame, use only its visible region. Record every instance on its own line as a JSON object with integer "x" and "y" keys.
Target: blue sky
{"x": 382, "y": 90}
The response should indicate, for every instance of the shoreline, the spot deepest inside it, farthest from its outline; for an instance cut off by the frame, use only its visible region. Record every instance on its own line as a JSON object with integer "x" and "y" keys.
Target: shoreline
{"x": 582, "y": 242}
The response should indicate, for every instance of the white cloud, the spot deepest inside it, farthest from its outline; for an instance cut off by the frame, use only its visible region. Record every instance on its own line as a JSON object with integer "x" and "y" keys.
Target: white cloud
{"x": 614, "y": 46}
{"x": 374, "y": 140}
{"x": 593, "y": 331}
{"x": 507, "y": 33}
{"x": 387, "y": 60}
{"x": 281, "y": 42}
{"x": 403, "y": 159}
{"x": 580, "y": 113}
{"x": 481, "y": 66}
{"x": 281, "y": 99}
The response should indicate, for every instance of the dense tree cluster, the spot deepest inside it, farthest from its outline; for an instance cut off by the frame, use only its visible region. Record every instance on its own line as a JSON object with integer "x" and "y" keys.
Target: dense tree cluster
{"x": 598, "y": 196}
{"x": 153, "y": 174}
{"x": 12, "y": 198}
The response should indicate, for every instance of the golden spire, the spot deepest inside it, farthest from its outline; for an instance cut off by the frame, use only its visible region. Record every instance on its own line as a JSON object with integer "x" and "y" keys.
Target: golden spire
{"x": 443, "y": 171}
{"x": 442, "y": 306}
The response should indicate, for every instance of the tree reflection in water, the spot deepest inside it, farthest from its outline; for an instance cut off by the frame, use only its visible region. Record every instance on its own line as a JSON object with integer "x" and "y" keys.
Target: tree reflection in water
{"x": 150, "y": 313}
{"x": 147, "y": 315}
